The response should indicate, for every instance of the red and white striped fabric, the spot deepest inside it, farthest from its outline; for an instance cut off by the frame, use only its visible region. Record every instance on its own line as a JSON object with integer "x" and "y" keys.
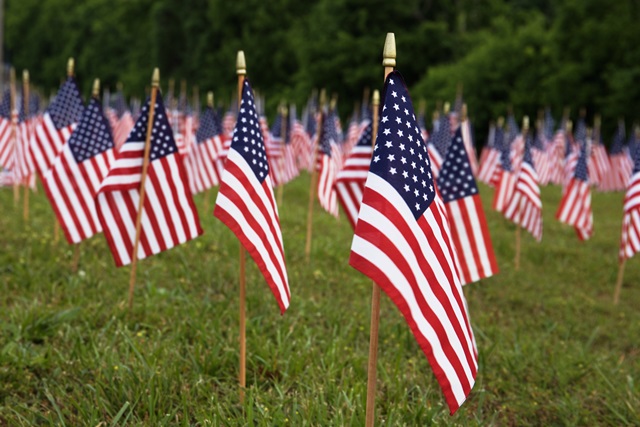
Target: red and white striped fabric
{"x": 403, "y": 243}
{"x": 506, "y": 182}
{"x": 327, "y": 174}
{"x": 630, "y": 238}
{"x": 203, "y": 158}
{"x": 541, "y": 164}
{"x": 246, "y": 203}
{"x": 58, "y": 121}
{"x": 436, "y": 159}
{"x": 302, "y": 145}
{"x": 489, "y": 165}
{"x": 169, "y": 216}
{"x": 77, "y": 173}
{"x": 469, "y": 146}
{"x": 122, "y": 129}
{"x": 575, "y": 206}
{"x": 599, "y": 162}
{"x": 525, "y": 207}
{"x": 228, "y": 124}
{"x": 290, "y": 165}
{"x": 25, "y": 169}
{"x": 469, "y": 230}
{"x": 7, "y": 143}
{"x": 350, "y": 181}
{"x": 7, "y": 178}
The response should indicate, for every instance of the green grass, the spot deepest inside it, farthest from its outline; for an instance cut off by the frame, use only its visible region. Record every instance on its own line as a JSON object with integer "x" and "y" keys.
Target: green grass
{"x": 553, "y": 348}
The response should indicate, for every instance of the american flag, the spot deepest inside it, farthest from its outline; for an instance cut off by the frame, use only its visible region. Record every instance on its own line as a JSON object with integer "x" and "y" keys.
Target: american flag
{"x": 169, "y": 216}
{"x": 246, "y": 204}
{"x": 301, "y": 144}
{"x": 25, "y": 168}
{"x": 7, "y": 141}
{"x": 503, "y": 178}
{"x": 58, "y": 121}
{"x": 489, "y": 157}
{"x": 540, "y": 157}
{"x": 274, "y": 144}
{"x": 403, "y": 243}
{"x": 525, "y": 207}
{"x": 469, "y": 145}
{"x": 350, "y": 181}
{"x": 204, "y": 157}
{"x": 77, "y": 173}
{"x": 575, "y": 206}
{"x": 621, "y": 165}
{"x": 469, "y": 230}
{"x": 439, "y": 143}
{"x": 630, "y": 238}
{"x": 327, "y": 164}
{"x": 290, "y": 164}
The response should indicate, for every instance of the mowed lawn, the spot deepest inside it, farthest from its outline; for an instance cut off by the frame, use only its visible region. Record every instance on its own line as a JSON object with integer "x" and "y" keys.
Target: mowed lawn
{"x": 553, "y": 348}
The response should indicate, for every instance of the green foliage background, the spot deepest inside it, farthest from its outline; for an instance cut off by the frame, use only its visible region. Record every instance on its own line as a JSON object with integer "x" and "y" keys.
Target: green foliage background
{"x": 525, "y": 53}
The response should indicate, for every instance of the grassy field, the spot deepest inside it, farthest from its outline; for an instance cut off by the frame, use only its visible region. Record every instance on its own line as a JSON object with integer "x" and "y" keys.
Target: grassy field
{"x": 553, "y": 348}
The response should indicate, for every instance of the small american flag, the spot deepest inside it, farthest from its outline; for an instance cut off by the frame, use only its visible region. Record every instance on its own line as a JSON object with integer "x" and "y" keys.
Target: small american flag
{"x": 350, "y": 181}
{"x": 575, "y": 206}
{"x": 246, "y": 204}
{"x": 403, "y": 243}
{"x": 77, "y": 173}
{"x": 58, "y": 121}
{"x": 525, "y": 207}
{"x": 327, "y": 164}
{"x": 469, "y": 145}
{"x": 169, "y": 216}
{"x": 204, "y": 156}
{"x": 469, "y": 229}
{"x": 439, "y": 143}
{"x": 630, "y": 239}
{"x": 503, "y": 178}
{"x": 7, "y": 144}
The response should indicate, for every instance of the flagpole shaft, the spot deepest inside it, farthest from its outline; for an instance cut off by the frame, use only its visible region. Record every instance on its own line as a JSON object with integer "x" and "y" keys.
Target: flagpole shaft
{"x": 143, "y": 179}
{"x": 76, "y": 257}
{"x": 372, "y": 369}
{"x": 616, "y": 294}
{"x": 282, "y": 160}
{"x": 14, "y": 136}
{"x": 516, "y": 260}
{"x": 25, "y": 101}
{"x": 242, "y": 374}
{"x": 312, "y": 185}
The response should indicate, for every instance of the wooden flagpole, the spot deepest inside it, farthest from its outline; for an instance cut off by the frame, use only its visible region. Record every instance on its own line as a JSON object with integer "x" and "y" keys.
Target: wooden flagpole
{"x": 241, "y": 71}
{"x": 389, "y": 62}
{"x": 284, "y": 112}
{"x": 516, "y": 261}
{"x": 14, "y": 133}
{"x": 56, "y": 225}
{"x": 25, "y": 100}
{"x": 208, "y": 191}
{"x": 155, "y": 84}
{"x": 314, "y": 174}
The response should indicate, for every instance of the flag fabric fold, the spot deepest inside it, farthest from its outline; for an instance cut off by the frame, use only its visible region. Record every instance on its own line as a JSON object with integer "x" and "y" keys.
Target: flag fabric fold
{"x": 403, "y": 243}
{"x": 169, "y": 216}
{"x": 575, "y": 206}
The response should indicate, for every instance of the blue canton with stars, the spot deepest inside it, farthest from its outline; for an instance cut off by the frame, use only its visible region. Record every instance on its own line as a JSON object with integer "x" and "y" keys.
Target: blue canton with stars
{"x": 527, "y": 151}
{"x": 442, "y": 137}
{"x": 92, "y": 136}
{"x": 505, "y": 150}
{"x": 5, "y": 105}
{"x": 581, "y": 172}
{"x": 162, "y": 142}
{"x": 67, "y": 107}
{"x": 365, "y": 138}
{"x": 329, "y": 133}
{"x": 247, "y": 136}
{"x": 456, "y": 179}
{"x": 208, "y": 126}
{"x": 400, "y": 156}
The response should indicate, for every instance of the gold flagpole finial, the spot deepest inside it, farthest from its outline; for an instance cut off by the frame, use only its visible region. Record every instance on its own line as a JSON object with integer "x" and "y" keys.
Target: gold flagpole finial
{"x": 447, "y": 108}
{"x": 70, "y": 67}
{"x": 210, "y": 99}
{"x": 389, "y": 51}
{"x": 155, "y": 78}
{"x": 96, "y": 88}
{"x": 25, "y": 76}
{"x": 376, "y": 97}
{"x": 323, "y": 98}
{"x": 500, "y": 121}
{"x": 241, "y": 64}
{"x": 525, "y": 123}
{"x": 463, "y": 112}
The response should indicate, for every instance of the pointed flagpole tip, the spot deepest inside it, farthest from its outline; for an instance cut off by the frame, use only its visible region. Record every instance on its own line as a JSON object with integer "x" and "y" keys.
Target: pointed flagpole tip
{"x": 597, "y": 121}
{"x": 376, "y": 98}
{"x": 447, "y": 107}
{"x": 96, "y": 88}
{"x": 25, "y": 76}
{"x": 241, "y": 64}
{"x": 155, "y": 79}
{"x": 323, "y": 97}
{"x": 389, "y": 51}
{"x": 334, "y": 101}
{"x": 70, "y": 67}
{"x": 525, "y": 123}
{"x": 210, "y": 99}
{"x": 464, "y": 112}
{"x": 500, "y": 121}
{"x": 569, "y": 126}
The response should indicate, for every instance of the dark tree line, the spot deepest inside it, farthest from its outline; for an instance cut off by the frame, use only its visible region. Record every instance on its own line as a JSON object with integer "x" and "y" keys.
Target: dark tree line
{"x": 520, "y": 53}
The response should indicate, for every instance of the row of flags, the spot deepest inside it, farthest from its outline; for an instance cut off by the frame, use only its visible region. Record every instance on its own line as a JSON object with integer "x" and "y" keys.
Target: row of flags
{"x": 420, "y": 231}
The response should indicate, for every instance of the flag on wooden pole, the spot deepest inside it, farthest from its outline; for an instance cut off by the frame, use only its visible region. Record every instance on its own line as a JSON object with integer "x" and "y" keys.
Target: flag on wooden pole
{"x": 246, "y": 203}
{"x": 469, "y": 229}
{"x": 77, "y": 173}
{"x": 575, "y": 206}
{"x": 403, "y": 243}
{"x": 169, "y": 216}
